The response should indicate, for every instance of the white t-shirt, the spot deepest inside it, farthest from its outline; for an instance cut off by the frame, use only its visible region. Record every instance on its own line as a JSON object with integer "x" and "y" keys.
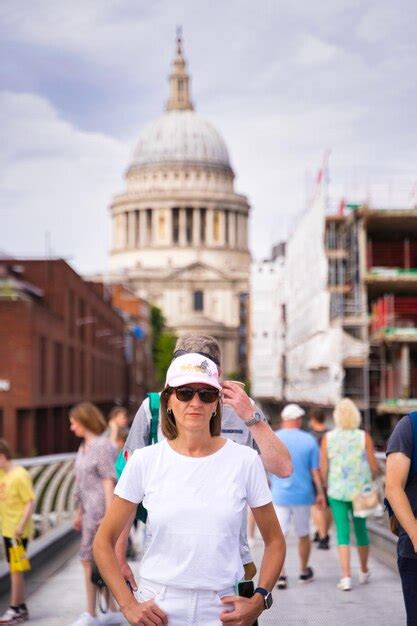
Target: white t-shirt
{"x": 195, "y": 507}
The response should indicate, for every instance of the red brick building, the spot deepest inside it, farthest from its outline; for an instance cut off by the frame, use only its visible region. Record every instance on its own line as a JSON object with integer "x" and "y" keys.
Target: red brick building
{"x": 61, "y": 341}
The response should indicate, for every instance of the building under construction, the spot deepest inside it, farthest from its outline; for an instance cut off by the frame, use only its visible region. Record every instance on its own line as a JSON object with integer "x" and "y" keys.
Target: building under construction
{"x": 372, "y": 256}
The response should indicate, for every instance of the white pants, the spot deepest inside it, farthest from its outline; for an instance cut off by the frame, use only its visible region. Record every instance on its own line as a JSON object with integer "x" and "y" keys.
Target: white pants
{"x": 301, "y": 515}
{"x": 186, "y": 607}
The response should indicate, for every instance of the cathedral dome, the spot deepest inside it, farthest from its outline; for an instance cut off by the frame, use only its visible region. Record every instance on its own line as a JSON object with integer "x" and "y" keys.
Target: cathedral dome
{"x": 180, "y": 136}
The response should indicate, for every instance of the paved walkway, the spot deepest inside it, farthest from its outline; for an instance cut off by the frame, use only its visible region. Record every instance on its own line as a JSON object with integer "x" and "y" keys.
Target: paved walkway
{"x": 59, "y": 599}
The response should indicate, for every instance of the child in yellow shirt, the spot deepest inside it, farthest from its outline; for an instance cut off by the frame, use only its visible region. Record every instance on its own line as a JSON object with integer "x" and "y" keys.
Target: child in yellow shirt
{"x": 16, "y": 507}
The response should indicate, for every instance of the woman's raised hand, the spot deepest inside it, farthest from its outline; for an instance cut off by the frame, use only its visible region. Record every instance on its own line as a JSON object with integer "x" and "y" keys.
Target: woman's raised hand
{"x": 144, "y": 613}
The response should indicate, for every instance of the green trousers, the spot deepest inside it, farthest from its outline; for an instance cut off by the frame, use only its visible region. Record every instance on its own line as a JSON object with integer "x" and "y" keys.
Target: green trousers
{"x": 342, "y": 511}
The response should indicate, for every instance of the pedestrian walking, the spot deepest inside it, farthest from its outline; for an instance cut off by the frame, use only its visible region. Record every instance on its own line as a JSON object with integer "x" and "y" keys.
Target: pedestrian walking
{"x": 294, "y": 496}
{"x": 195, "y": 485}
{"x": 348, "y": 463}
{"x": 242, "y": 422}
{"x": 17, "y": 501}
{"x": 322, "y": 518}
{"x": 94, "y": 485}
{"x": 401, "y": 492}
{"x": 117, "y": 429}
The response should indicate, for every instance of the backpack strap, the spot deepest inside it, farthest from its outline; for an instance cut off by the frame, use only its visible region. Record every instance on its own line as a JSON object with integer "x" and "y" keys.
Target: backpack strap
{"x": 413, "y": 418}
{"x": 154, "y": 402}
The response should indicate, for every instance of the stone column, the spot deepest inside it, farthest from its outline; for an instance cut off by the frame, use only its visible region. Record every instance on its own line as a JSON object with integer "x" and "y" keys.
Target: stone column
{"x": 238, "y": 231}
{"x": 131, "y": 229}
{"x": 182, "y": 222}
{"x": 209, "y": 227}
{"x": 142, "y": 228}
{"x": 196, "y": 227}
{"x": 121, "y": 229}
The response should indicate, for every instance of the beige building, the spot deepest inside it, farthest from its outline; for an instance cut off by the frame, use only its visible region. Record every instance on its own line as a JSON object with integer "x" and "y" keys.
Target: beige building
{"x": 180, "y": 231}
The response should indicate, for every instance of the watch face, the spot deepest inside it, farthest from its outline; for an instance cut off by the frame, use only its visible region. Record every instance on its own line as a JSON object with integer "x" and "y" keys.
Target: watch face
{"x": 268, "y": 601}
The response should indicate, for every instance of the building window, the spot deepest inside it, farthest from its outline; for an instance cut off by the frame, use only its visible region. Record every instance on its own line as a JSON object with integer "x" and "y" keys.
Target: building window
{"x": 198, "y": 301}
{"x": 149, "y": 226}
{"x": 137, "y": 228}
{"x": 71, "y": 370}
{"x": 203, "y": 220}
{"x": 189, "y": 225}
{"x": 226, "y": 226}
{"x": 43, "y": 363}
{"x": 175, "y": 225}
{"x": 58, "y": 373}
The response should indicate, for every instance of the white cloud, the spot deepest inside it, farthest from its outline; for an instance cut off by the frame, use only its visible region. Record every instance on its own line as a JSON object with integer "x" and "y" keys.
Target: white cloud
{"x": 57, "y": 179}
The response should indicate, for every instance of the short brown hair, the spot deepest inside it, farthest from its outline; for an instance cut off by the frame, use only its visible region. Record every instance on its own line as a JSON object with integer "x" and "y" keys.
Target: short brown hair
{"x": 89, "y": 416}
{"x": 319, "y": 415}
{"x": 5, "y": 449}
{"x": 202, "y": 344}
{"x": 169, "y": 426}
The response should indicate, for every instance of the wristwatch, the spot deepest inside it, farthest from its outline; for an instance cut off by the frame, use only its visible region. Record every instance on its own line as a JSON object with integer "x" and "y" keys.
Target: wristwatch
{"x": 267, "y": 596}
{"x": 255, "y": 419}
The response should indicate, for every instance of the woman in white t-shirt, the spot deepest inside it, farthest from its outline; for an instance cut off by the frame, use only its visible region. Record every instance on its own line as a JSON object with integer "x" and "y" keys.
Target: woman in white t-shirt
{"x": 195, "y": 486}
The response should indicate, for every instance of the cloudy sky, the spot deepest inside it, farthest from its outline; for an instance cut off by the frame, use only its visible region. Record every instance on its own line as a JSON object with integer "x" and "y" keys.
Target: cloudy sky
{"x": 283, "y": 82}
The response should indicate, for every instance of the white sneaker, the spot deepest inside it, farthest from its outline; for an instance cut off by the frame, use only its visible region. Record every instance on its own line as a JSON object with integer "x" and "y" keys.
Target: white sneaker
{"x": 111, "y": 617}
{"x": 345, "y": 584}
{"x": 86, "y": 619}
{"x": 364, "y": 577}
{"x": 11, "y": 617}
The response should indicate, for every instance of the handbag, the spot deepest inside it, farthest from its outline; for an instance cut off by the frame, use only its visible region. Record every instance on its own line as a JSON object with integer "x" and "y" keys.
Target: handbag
{"x": 18, "y": 560}
{"x": 366, "y": 503}
{"x": 102, "y": 595}
{"x": 96, "y": 577}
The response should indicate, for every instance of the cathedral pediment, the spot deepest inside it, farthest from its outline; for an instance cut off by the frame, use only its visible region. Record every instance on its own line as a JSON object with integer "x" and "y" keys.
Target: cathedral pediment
{"x": 198, "y": 271}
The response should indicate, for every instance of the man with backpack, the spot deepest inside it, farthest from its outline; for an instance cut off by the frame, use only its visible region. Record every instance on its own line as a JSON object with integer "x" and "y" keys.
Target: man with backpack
{"x": 401, "y": 493}
{"x": 242, "y": 422}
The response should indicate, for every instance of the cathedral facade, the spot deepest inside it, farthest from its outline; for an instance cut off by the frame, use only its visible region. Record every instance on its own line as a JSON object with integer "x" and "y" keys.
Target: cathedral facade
{"x": 180, "y": 231}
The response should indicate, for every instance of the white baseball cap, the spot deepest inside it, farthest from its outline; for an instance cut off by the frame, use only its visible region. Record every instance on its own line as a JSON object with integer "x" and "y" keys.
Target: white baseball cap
{"x": 292, "y": 412}
{"x": 192, "y": 368}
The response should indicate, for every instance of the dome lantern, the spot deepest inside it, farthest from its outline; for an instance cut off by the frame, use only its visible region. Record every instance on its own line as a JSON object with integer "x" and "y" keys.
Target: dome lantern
{"x": 179, "y": 98}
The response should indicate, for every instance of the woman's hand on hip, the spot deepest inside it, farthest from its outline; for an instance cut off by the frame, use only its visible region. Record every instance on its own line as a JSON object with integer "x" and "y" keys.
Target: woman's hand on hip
{"x": 245, "y": 611}
{"x": 144, "y": 613}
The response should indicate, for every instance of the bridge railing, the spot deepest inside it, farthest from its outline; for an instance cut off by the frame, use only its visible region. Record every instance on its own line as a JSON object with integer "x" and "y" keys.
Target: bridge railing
{"x": 53, "y": 481}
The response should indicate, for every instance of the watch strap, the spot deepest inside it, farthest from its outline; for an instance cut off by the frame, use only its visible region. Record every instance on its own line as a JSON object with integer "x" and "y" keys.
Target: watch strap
{"x": 255, "y": 419}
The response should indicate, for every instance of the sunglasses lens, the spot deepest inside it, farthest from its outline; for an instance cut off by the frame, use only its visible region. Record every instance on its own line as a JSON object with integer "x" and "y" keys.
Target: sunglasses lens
{"x": 184, "y": 394}
{"x": 207, "y": 395}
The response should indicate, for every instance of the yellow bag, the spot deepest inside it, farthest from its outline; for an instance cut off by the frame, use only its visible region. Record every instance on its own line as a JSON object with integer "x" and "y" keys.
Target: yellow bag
{"x": 19, "y": 561}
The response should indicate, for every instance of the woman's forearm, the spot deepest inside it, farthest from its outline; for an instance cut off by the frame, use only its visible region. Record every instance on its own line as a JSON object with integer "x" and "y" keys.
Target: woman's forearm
{"x": 274, "y": 454}
{"x": 272, "y": 563}
{"x": 105, "y": 557}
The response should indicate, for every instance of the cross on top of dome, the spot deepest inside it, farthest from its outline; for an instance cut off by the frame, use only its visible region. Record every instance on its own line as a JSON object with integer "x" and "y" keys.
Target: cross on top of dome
{"x": 179, "y": 97}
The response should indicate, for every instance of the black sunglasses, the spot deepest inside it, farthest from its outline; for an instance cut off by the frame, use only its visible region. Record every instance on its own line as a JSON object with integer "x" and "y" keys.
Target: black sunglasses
{"x": 185, "y": 394}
